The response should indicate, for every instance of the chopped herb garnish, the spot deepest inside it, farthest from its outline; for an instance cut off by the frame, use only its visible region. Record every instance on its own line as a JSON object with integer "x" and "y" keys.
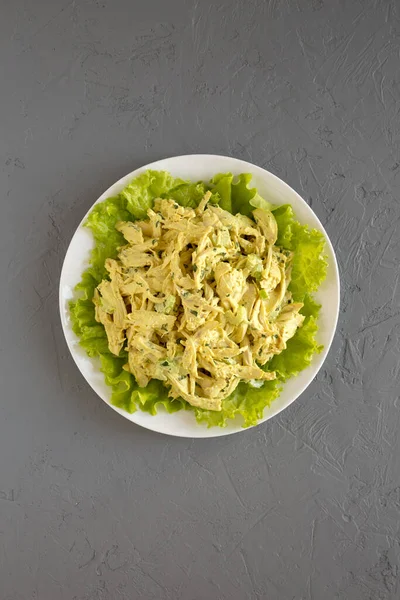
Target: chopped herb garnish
{"x": 195, "y": 268}
{"x": 195, "y": 313}
{"x": 165, "y": 363}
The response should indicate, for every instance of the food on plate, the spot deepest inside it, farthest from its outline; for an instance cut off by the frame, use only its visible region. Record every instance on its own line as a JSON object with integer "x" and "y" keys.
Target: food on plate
{"x": 199, "y": 299}
{"x": 198, "y": 296}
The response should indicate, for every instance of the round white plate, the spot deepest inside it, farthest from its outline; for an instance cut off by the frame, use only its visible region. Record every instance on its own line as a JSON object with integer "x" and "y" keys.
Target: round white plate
{"x": 202, "y": 167}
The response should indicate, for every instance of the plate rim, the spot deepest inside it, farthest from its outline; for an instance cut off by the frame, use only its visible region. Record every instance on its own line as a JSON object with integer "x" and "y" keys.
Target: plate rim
{"x": 203, "y": 431}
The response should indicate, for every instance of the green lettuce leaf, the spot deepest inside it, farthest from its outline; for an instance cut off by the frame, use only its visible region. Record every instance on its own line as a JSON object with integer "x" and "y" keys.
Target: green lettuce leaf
{"x": 222, "y": 185}
{"x": 309, "y": 263}
{"x": 140, "y": 193}
{"x": 235, "y": 195}
{"x": 245, "y": 401}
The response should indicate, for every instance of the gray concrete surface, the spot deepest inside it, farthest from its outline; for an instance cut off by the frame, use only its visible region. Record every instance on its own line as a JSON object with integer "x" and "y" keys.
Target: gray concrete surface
{"x": 306, "y": 506}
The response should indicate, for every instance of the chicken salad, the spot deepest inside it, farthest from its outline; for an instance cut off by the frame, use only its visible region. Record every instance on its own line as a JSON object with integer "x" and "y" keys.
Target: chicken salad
{"x": 199, "y": 298}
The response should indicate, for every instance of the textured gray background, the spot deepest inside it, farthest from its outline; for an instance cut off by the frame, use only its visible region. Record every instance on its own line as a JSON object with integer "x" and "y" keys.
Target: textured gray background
{"x": 306, "y": 506}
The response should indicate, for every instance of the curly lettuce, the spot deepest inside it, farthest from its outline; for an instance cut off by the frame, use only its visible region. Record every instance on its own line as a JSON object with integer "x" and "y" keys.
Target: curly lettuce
{"x": 232, "y": 194}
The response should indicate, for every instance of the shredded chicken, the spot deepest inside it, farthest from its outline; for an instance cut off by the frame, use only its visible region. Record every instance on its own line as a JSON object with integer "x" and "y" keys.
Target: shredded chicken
{"x": 199, "y": 299}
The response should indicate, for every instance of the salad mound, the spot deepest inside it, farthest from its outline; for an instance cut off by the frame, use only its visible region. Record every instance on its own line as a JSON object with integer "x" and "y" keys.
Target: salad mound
{"x": 198, "y": 296}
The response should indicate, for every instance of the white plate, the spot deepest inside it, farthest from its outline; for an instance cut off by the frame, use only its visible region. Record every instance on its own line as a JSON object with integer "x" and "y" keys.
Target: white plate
{"x": 202, "y": 167}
